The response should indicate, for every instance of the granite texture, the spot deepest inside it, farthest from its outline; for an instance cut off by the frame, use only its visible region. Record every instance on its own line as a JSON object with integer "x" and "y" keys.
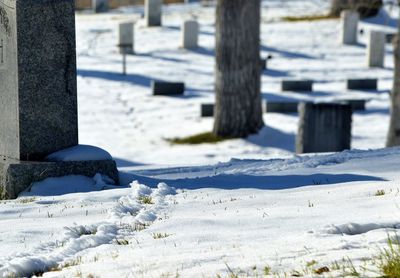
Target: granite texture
{"x": 16, "y": 176}
{"x": 161, "y": 88}
{"x": 297, "y": 85}
{"x": 38, "y": 100}
{"x": 362, "y": 84}
{"x": 324, "y": 127}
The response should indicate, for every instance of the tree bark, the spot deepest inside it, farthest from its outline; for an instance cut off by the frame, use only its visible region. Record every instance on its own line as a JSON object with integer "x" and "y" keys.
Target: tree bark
{"x": 393, "y": 138}
{"x": 238, "y": 111}
{"x": 365, "y": 8}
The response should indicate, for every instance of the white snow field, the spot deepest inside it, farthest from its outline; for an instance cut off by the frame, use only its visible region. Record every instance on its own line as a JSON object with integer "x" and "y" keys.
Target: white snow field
{"x": 234, "y": 208}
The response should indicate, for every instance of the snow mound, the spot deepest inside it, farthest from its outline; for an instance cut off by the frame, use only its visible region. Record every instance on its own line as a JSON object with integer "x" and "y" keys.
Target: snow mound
{"x": 129, "y": 211}
{"x": 80, "y": 153}
{"x": 69, "y": 184}
{"x": 357, "y": 229}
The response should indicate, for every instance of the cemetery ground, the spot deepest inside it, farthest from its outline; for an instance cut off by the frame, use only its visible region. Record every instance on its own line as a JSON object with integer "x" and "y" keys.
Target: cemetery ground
{"x": 252, "y": 207}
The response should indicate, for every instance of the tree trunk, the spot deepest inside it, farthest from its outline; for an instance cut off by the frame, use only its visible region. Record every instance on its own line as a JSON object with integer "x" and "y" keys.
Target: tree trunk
{"x": 365, "y": 8}
{"x": 238, "y": 111}
{"x": 393, "y": 138}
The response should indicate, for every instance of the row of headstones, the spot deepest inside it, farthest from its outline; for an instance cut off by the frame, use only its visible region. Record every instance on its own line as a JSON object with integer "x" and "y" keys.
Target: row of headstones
{"x": 307, "y": 85}
{"x": 376, "y": 41}
{"x": 189, "y": 36}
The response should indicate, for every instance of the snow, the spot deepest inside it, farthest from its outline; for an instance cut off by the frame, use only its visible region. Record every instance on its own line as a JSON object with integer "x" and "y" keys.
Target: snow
{"x": 80, "y": 153}
{"x": 199, "y": 211}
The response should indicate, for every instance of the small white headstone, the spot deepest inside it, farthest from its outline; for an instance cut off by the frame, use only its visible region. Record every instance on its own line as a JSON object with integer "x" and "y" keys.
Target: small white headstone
{"x": 190, "y": 34}
{"x": 376, "y": 49}
{"x": 152, "y": 12}
{"x": 349, "y": 25}
{"x": 126, "y": 37}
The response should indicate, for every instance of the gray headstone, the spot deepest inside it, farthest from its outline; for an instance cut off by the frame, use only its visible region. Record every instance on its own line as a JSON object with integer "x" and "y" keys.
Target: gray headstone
{"x": 207, "y": 110}
{"x": 362, "y": 84}
{"x": 100, "y": 6}
{"x": 38, "y": 97}
{"x": 324, "y": 127}
{"x": 152, "y": 11}
{"x": 281, "y": 107}
{"x": 190, "y": 34}
{"x": 38, "y": 100}
{"x": 162, "y": 88}
{"x": 126, "y": 37}
{"x": 263, "y": 63}
{"x": 297, "y": 85}
{"x": 349, "y": 28}
{"x": 376, "y": 49}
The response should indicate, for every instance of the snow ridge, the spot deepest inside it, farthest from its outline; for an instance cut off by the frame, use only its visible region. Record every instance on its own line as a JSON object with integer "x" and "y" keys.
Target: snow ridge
{"x": 129, "y": 212}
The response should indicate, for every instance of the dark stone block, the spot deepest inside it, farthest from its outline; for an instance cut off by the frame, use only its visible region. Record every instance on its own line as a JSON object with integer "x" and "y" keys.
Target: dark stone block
{"x": 357, "y": 104}
{"x": 160, "y": 88}
{"x": 362, "y": 84}
{"x": 100, "y": 6}
{"x": 297, "y": 85}
{"x": 324, "y": 127}
{"x": 38, "y": 100}
{"x": 207, "y": 110}
{"x": 16, "y": 176}
{"x": 281, "y": 107}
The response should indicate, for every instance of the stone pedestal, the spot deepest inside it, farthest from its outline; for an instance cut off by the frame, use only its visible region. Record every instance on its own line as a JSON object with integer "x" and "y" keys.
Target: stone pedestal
{"x": 376, "y": 49}
{"x": 162, "y": 88}
{"x": 190, "y": 34}
{"x": 100, "y": 6}
{"x": 126, "y": 38}
{"x": 38, "y": 99}
{"x": 284, "y": 107}
{"x": 152, "y": 11}
{"x": 349, "y": 27}
{"x": 324, "y": 127}
{"x": 362, "y": 84}
{"x": 207, "y": 110}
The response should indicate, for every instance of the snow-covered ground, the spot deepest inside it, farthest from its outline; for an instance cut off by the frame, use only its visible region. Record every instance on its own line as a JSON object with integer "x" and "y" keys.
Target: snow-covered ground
{"x": 199, "y": 211}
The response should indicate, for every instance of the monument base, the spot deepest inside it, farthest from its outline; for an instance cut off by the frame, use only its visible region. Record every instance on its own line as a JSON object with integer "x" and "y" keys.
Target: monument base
{"x": 16, "y": 176}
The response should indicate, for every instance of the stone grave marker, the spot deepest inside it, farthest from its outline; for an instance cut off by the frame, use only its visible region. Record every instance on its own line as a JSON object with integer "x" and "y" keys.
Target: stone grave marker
{"x": 207, "y": 110}
{"x": 38, "y": 100}
{"x": 362, "y": 84}
{"x": 349, "y": 25}
{"x": 100, "y": 6}
{"x": 152, "y": 11}
{"x": 283, "y": 107}
{"x": 324, "y": 127}
{"x": 376, "y": 49}
{"x": 297, "y": 85}
{"x": 126, "y": 38}
{"x": 190, "y": 34}
{"x": 162, "y": 88}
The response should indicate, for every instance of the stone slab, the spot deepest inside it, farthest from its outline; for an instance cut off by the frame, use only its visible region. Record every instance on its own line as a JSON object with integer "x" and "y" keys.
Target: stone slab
{"x": 349, "y": 27}
{"x": 324, "y": 127}
{"x": 16, "y": 176}
{"x": 362, "y": 84}
{"x": 207, "y": 110}
{"x": 356, "y": 104}
{"x": 376, "y": 49}
{"x": 190, "y": 34}
{"x": 264, "y": 63}
{"x": 38, "y": 100}
{"x": 161, "y": 88}
{"x": 297, "y": 85}
{"x": 283, "y": 107}
{"x": 126, "y": 38}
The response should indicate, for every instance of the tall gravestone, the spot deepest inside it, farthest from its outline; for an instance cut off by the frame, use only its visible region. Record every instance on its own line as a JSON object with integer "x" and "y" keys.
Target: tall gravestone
{"x": 324, "y": 127}
{"x": 190, "y": 34}
{"x": 349, "y": 22}
{"x": 38, "y": 94}
{"x": 376, "y": 49}
{"x": 152, "y": 10}
{"x": 126, "y": 38}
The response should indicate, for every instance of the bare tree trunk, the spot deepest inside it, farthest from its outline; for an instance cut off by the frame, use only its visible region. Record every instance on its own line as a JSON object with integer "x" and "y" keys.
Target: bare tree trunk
{"x": 238, "y": 111}
{"x": 365, "y": 8}
{"x": 393, "y": 138}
